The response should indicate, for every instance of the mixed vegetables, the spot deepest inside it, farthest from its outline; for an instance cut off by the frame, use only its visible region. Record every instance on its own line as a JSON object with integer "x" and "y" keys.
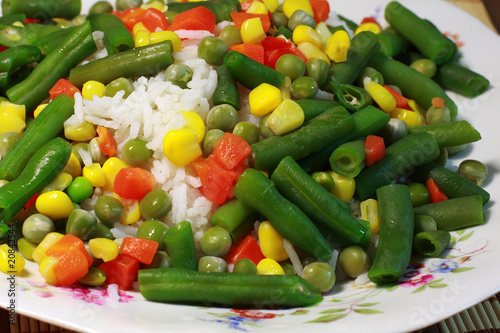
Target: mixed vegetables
{"x": 347, "y": 116}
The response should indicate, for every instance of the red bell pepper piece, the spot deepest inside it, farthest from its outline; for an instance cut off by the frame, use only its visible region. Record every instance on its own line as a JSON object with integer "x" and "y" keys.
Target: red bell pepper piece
{"x": 197, "y": 18}
{"x": 69, "y": 243}
{"x": 401, "y": 101}
{"x": 240, "y": 17}
{"x": 321, "y": 9}
{"x": 121, "y": 271}
{"x": 248, "y": 248}
{"x": 231, "y": 150}
{"x": 154, "y": 19}
{"x": 63, "y": 86}
{"x": 435, "y": 192}
{"x": 374, "y": 149}
{"x": 254, "y": 51}
{"x": 139, "y": 248}
{"x": 133, "y": 183}
{"x": 370, "y": 19}
{"x": 275, "y": 47}
{"x": 132, "y": 16}
{"x": 105, "y": 141}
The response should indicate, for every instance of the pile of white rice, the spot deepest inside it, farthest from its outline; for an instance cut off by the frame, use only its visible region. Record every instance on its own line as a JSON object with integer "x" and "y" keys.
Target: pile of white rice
{"x": 150, "y": 112}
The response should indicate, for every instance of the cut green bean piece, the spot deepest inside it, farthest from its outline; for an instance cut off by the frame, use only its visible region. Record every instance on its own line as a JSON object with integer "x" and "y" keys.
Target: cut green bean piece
{"x": 226, "y": 91}
{"x": 424, "y": 223}
{"x": 431, "y": 243}
{"x": 180, "y": 246}
{"x": 349, "y": 158}
{"x": 314, "y": 107}
{"x": 449, "y": 134}
{"x": 117, "y": 37}
{"x": 462, "y": 80}
{"x": 43, "y": 10}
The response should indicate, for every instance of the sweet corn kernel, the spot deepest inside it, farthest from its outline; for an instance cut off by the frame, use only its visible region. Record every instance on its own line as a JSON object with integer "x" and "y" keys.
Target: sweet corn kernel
{"x": 60, "y": 182}
{"x": 304, "y": 33}
{"x": 337, "y": 46}
{"x": 110, "y": 169}
{"x": 131, "y": 212}
{"x": 92, "y": 88}
{"x": 160, "y": 36}
{"x": 257, "y": 7}
{"x": 157, "y": 4}
{"x": 9, "y": 122}
{"x": 83, "y": 132}
{"x": 39, "y": 109}
{"x": 17, "y": 109}
{"x": 95, "y": 174}
{"x": 263, "y": 99}
{"x": 290, "y": 6}
{"x": 344, "y": 186}
{"x": 181, "y": 146}
{"x": 141, "y": 38}
{"x": 272, "y": 5}
{"x": 252, "y": 31}
{"x": 268, "y": 266}
{"x": 49, "y": 240}
{"x": 380, "y": 95}
{"x": 323, "y": 31}
{"x": 369, "y": 26}
{"x": 54, "y": 204}
{"x": 285, "y": 88}
{"x": 417, "y": 108}
{"x": 103, "y": 248}
{"x": 46, "y": 269}
{"x": 139, "y": 27}
{"x": 369, "y": 212}
{"x": 271, "y": 242}
{"x": 411, "y": 118}
{"x": 26, "y": 248}
{"x": 11, "y": 262}
{"x": 195, "y": 123}
{"x": 287, "y": 116}
{"x": 73, "y": 167}
{"x": 311, "y": 51}
{"x": 18, "y": 24}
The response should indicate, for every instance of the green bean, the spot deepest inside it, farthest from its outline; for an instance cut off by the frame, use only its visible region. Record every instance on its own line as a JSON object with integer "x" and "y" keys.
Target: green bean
{"x": 221, "y": 8}
{"x": 423, "y": 223}
{"x": 180, "y": 246}
{"x": 337, "y": 240}
{"x": 401, "y": 157}
{"x": 455, "y": 213}
{"x": 349, "y": 158}
{"x": 431, "y": 243}
{"x": 53, "y": 40}
{"x": 454, "y": 133}
{"x": 396, "y": 234}
{"x": 314, "y": 107}
{"x": 13, "y": 35}
{"x": 352, "y": 98}
{"x": 117, "y": 37}
{"x": 283, "y": 30}
{"x": 14, "y": 58}
{"x": 324, "y": 179}
{"x": 392, "y": 44}
{"x": 43, "y": 10}
{"x": 227, "y": 289}
{"x": 226, "y": 91}
{"x": 260, "y": 193}
{"x": 462, "y": 80}
{"x": 421, "y": 33}
{"x": 232, "y": 214}
{"x": 348, "y": 22}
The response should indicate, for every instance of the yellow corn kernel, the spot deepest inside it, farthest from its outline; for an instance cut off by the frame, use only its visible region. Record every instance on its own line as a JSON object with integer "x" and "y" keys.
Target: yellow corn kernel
{"x": 417, "y": 108}
{"x": 141, "y": 38}
{"x": 95, "y": 174}
{"x": 369, "y": 212}
{"x": 54, "y": 204}
{"x": 92, "y": 88}
{"x": 195, "y": 123}
{"x": 268, "y": 266}
{"x": 39, "y": 109}
{"x": 9, "y": 122}
{"x": 380, "y": 95}
{"x": 83, "y": 132}
{"x": 252, "y": 31}
{"x": 60, "y": 182}
{"x": 271, "y": 242}
{"x": 287, "y": 116}
{"x": 344, "y": 186}
{"x": 272, "y": 5}
{"x": 16, "y": 109}
{"x": 311, "y": 51}
{"x": 139, "y": 27}
{"x": 304, "y": 33}
{"x": 26, "y": 248}
{"x": 131, "y": 212}
{"x": 411, "y": 118}
{"x": 49, "y": 240}
{"x": 181, "y": 146}
{"x": 257, "y": 7}
{"x": 103, "y": 248}
{"x": 47, "y": 269}
{"x": 285, "y": 88}
{"x": 160, "y": 36}
{"x": 290, "y": 6}
{"x": 110, "y": 169}
{"x": 18, "y": 24}
{"x": 73, "y": 167}
{"x": 369, "y": 26}
{"x": 323, "y": 31}
{"x": 11, "y": 262}
{"x": 154, "y": 4}
{"x": 263, "y": 99}
{"x": 337, "y": 46}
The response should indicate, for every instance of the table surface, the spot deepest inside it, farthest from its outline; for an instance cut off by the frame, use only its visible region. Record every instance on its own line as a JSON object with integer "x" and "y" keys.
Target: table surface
{"x": 491, "y": 306}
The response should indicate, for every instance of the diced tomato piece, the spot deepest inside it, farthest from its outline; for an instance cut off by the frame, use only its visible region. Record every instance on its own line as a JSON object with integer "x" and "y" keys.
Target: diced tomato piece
{"x": 220, "y": 182}
{"x": 248, "y": 248}
{"x": 275, "y": 47}
{"x": 370, "y": 19}
{"x": 321, "y": 9}
{"x": 197, "y": 18}
{"x": 132, "y": 16}
{"x": 435, "y": 192}
{"x": 63, "y": 86}
{"x": 3, "y": 48}
{"x": 401, "y": 101}
{"x": 154, "y": 19}
{"x": 374, "y": 149}
{"x": 200, "y": 166}
{"x": 231, "y": 150}
{"x": 106, "y": 142}
{"x": 254, "y": 51}
{"x": 246, "y": 4}
{"x": 29, "y": 20}
{"x": 240, "y": 17}
{"x": 121, "y": 271}
{"x": 133, "y": 183}
{"x": 139, "y": 248}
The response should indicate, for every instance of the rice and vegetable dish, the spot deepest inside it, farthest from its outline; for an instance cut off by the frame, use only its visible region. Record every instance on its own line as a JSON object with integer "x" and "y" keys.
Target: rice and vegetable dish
{"x": 215, "y": 151}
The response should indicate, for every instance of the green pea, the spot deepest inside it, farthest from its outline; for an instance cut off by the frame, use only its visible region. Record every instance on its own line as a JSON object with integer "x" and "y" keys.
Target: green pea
{"x": 231, "y": 35}
{"x": 36, "y": 227}
{"x": 136, "y": 153}
{"x": 290, "y": 65}
{"x": 419, "y": 194}
{"x": 212, "y": 50}
{"x": 279, "y": 19}
{"x": 95, "y": 152}
{"x": 7, "y": 141}
{"x": 264, "y": 129}
{"x": 94, "y": 278}
{"x": 108, "y": 210}
{"x": 212, "y": 138}
{"x": 179, "y": 74}
{"x": 126, "y": 4}
{"x": 372, "y": 73}
{"x": 160, "y": 260}
{"x": 354, "y": 261}
{"x": 153, "y": 230}
{"x": 81, "y": 224}
{"x": 216, "y": 241}
{"x": 26, "y": 248}
{"x": 248, "y": 131}
{"x": 59, "y": 183}
{"x": 80, "y": 189}
{"x": 425, "y": 66}
{"x": 300, "y": 17}
{"x": 223, "y": 117}
{"x": 155, "y": 204}
{"x": 288, "y": 268}
{"x": 211, "y": 264}
{"x": 474, "y": 171}
{"x": 318, "y": 70}
{"x": 424, "y": 223}
{"x": 304, "y": 87}
{"x": 117, "y": 85}
{"x": 324, "y": 179}
{"x": 456, "y": 149}
{"x": 75, "y": 150}
{"x": 435, "y": 115}
{"x": 102, "y": 231}
{"x": 101, "y": 7}
{"x": 245, "y": 266}
{"x": 170, "y": 16}
{"x": 320, "y": 275}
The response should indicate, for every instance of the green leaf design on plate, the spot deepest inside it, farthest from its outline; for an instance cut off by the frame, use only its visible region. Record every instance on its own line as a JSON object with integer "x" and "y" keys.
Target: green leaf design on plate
{"x": 328, "y": 318}
{"x": 435, "y": 281}
{"x": 419, "y": 289}
{"x": 335, "y": 300}
{"x": 366, "y": 304}
{"x": 459, "y": 232}
{"x": 367, "y": 311}
{"x": 332, "y": 311}
{"x": 438, "y": 285}
{"x": 300, "y": 312}
{"x": 465, "y": 237}
{"x": 462, "y": 269}
{"x": 391, "y": 288}
{"x": 453, "y": 239}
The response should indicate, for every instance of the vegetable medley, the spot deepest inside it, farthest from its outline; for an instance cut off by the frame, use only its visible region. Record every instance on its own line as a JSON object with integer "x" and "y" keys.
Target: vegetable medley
{"x": 340, "y": 169}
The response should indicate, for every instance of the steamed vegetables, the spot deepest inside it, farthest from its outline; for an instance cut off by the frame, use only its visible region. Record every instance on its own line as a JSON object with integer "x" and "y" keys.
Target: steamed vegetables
{"x": 303, "y": 120}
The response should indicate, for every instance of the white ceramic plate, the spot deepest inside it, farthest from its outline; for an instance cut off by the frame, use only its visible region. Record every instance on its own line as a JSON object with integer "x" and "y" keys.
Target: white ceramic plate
{"x": 430, "y": 291}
